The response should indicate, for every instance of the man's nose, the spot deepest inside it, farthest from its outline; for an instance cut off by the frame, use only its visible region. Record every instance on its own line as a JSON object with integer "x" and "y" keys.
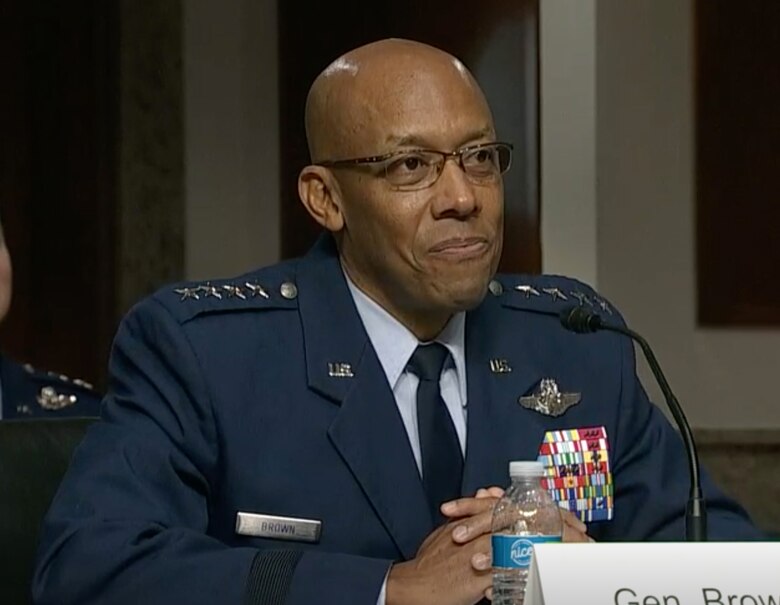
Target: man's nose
{"x": 456, "y": 195}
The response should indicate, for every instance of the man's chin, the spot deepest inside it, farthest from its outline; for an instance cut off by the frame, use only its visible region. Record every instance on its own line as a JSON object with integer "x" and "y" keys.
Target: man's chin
{"x": 467, "y": 296}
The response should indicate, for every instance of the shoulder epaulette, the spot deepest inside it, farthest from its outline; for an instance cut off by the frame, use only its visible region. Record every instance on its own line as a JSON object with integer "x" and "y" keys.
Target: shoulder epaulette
{"x": 548, "y": 294}
{"x": 57, "y": 391}
{"x": 46, "y": 376}
{"x": 259, "y": 290}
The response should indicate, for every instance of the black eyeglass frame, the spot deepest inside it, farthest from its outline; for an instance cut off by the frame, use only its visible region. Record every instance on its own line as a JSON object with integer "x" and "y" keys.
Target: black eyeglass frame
{"x": 376, "y": 159}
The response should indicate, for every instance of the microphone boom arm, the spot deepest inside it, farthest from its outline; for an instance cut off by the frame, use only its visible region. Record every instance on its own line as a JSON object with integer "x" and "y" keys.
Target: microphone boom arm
{"x": 581, "y": 321}
{"x": 696, "y": 515}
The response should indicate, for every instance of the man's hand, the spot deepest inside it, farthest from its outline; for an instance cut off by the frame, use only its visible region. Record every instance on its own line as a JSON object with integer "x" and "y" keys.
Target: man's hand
{"x": 574, "y": 530}
{"x": 453, "y": 565}
{"x": 478, "y": 521}
{"x": 448, "y": 570}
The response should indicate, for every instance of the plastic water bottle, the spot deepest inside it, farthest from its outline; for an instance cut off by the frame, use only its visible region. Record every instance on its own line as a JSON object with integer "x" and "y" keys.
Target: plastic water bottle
{"x": 525, "y": 516}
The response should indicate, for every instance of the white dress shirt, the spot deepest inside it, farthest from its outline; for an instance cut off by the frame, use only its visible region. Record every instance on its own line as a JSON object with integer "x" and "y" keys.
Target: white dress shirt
{"x": 394, "y": 345}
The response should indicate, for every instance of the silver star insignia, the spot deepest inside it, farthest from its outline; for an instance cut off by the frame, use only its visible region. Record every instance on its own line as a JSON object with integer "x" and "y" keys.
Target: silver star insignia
{"x": 603, "y": 305}
{"x": 186, "y": 293}
{"x": 211, "y": 291}
{"x": 256, "y": 289}
{"x": 583, "y": 298}
{"x": 527, "y": 290}
{"x": 555, "y": 293}
{"x": 234, "y": 291}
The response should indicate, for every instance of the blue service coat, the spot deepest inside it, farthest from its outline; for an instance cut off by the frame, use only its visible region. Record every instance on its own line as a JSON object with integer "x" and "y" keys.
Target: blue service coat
{"x": 31, "y": 393}
{"x": 221, "y": 400}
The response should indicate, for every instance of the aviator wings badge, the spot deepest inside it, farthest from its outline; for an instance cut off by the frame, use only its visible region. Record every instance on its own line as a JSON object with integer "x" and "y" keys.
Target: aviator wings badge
{"x": 549, "y": 400}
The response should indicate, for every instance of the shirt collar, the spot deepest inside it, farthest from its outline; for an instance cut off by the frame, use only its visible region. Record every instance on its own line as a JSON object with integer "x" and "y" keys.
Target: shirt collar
{"x": 394, "y": 343}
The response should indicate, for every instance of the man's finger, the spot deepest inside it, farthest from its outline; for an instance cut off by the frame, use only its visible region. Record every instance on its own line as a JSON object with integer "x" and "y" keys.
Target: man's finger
{"x": 489, "y": 492}
{"x": 571, "y": 534}
{"x": 573, "y": 521}
{"x": 473, "y": 527}
{"x": 466, "y": 507}
{"x": 481, "y": 561}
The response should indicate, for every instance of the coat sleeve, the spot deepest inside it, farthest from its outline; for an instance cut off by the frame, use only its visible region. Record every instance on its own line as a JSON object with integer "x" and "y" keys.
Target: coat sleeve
{"x": 130, "y": 521}
{"x": 651, "y": 474}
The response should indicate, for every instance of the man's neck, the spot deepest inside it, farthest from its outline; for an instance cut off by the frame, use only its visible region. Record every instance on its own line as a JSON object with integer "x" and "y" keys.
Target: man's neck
{"x": 426, "y": 326}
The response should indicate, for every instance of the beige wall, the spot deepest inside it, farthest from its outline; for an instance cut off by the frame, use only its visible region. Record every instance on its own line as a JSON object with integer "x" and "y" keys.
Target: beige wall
{"x": 567, "y": 61}
{"x": 232, "y": 137}
{"x": 617, "y": 177}
{"x": 644, "y": 163}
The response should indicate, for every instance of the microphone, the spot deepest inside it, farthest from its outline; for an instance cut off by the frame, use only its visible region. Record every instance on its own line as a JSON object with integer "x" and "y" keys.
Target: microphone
{"x": 580, "y": 320}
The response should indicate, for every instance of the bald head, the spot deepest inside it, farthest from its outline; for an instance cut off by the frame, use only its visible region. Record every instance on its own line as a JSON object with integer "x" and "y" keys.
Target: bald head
{"x": 421, "y": 252}
{"x": 354, "y": 102}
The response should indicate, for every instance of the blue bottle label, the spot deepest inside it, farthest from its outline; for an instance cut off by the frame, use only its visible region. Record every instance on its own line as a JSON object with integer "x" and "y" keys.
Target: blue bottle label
{"x": 514, "y": 552}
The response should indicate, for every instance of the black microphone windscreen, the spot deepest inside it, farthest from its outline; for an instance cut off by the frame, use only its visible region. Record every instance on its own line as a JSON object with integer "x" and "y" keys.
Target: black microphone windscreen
{"x": 580, "y": 320}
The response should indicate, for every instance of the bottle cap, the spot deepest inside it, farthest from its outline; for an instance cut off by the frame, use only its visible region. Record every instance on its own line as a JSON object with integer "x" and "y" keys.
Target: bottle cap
{"x": 526, "y": 468}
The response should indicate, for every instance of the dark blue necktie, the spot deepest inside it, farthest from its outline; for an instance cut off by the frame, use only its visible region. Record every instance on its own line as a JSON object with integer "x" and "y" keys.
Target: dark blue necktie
{"x": 442, "y": 460}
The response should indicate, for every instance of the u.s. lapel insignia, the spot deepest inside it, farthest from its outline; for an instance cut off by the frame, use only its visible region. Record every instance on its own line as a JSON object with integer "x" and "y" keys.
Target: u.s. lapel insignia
{"x": 340, "y": 370}
{"x": 49, "y": 399}
{"x": 549, "y": 400}
{"x": 500, "y": 366}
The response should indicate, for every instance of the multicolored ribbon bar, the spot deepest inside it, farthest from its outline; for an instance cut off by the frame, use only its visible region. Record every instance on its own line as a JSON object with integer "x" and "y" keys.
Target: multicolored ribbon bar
{"x": 577, "y": 471}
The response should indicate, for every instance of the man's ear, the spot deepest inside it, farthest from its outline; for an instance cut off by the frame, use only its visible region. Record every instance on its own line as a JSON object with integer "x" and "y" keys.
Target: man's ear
{"x": 321, "y": 195}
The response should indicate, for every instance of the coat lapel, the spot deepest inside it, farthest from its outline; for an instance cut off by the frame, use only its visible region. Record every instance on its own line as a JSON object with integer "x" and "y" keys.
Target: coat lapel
{"x": 369, "y": 434}
{"x": 493, "y": 397}
{"x": 368, "y": 431}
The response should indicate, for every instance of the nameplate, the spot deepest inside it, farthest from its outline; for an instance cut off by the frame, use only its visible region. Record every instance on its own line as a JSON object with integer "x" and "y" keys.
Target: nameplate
{"x": 670, "y": 573}
{"x": 279, "y": 528}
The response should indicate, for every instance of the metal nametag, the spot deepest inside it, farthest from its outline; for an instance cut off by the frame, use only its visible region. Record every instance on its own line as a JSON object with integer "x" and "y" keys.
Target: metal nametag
{"x": 280, "y": 528}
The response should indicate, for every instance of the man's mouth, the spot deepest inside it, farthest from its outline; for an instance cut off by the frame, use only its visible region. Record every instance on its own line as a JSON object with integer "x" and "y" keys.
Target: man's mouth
{"x": 460, "y": 248}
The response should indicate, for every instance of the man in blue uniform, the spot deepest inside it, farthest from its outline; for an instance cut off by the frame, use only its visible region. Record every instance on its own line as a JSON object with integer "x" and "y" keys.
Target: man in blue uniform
{"x": 331, "y": 429}
{"x": 29, "y": 393}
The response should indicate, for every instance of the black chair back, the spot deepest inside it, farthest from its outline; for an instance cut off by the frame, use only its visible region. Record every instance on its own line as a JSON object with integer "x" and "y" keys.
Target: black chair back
{"x": 34, "y": 455}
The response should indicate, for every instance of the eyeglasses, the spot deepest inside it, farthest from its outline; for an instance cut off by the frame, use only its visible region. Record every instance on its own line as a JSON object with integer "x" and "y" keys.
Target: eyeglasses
{"x": 420, "y": 168}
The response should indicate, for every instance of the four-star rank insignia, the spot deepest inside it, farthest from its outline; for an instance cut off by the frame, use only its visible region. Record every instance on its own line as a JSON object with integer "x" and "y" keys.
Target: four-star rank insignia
{"x": 548, "y": 399}
{"x": 207, "y": 290}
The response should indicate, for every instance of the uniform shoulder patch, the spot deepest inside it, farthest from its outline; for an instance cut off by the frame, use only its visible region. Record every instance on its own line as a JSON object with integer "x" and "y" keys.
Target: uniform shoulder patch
{"x": 54, "y": 377}
{"x": 57, "y": 391}
{"x": 549, "y": 294}
{"x": 263, "y": 289}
